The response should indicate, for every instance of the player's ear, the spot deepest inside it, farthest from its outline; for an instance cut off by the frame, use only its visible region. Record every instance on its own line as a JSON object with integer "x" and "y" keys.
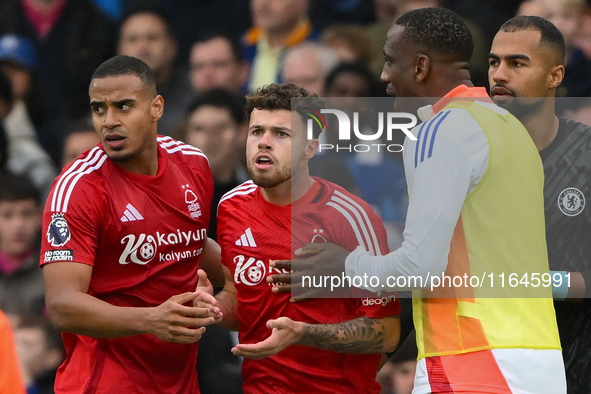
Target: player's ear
{"x": 311, "y": 148}
{"x": 157, "y": 108}
{"x": 421, "y": 67}
{"x": 555, "y": 77}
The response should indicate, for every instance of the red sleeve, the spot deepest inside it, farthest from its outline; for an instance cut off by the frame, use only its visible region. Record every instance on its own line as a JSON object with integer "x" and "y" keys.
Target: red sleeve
{"x": 71, "y": 223}
{"x": 223, "y": 233}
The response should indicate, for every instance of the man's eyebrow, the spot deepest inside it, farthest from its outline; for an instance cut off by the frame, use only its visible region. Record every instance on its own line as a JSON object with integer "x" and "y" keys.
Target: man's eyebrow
{"x": 280, "y": 128}
{"x": 123, "y": 102}
{"x": 274, "y": 128}
{"x": 510, "y": 57}
{"x": 116, "y": 103}
{"x": 518, "y": 56}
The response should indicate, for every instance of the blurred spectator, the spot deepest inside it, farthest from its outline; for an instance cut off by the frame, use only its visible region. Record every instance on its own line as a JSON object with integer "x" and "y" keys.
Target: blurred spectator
{"x": 568, "y": 17}
{"x": 398, "y": 374}
{"x": 324, "y": 13}
{"x": 353, "y": 80}
{"x": 18, "y": 61}
{"x": 146, "y": 33}
{"x": 24, "y": 155}
{"x": 40, "y": 352}
{"x": 308, "y": 64}
{"x": 216, "y": 124}
{"x": 385, "y": 10}
{"x": 351, "y": 43}
{"x": 81, "y": 138}
{"x": 564, "y": 14}
{"x": 277, "y": 26}
{"x": 3, "y": 148}
{"x": 21, "y": 280}
{"x": 196, "y": 18}
{"x": 71, "y": 38}
{"x": 217, "y": 61}
{"x": 583, "y": 37}
{"x": 11, "y": 381}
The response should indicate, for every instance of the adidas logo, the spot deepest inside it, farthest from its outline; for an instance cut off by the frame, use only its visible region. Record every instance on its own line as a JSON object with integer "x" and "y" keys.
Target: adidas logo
{"x": 131, "y": 214}
{"x": 246, "y": 239}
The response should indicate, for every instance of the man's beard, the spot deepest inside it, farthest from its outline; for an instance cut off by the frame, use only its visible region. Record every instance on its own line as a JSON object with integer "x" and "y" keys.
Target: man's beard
{"x": 521, "y": 107}
{"x": 271, "y": 179}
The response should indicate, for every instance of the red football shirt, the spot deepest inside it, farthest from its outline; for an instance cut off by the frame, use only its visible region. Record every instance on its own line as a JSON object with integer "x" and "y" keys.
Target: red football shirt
{"x": 252, "y": 232}
{"x": 143, "y": 236}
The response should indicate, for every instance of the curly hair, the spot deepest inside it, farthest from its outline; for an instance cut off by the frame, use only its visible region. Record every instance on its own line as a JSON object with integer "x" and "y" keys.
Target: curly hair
{"x": 277, "y": 96}
{"x": 437, "y": 31}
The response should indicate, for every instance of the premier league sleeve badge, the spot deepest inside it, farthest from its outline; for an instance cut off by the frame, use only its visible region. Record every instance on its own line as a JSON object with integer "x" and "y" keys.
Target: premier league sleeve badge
{"x": 58, "y": 233}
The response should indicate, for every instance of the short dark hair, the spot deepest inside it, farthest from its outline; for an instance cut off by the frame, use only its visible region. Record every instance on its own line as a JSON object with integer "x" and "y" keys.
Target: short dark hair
{"x": 550, "y": 35}
{"x": 437, "y": 31}
{"x": 152, "y": 8}
{"x": 235, "y": 46}
{"x": 127, "y": 65}
{"x": 81, "y": 124}
{"x": 53, "y": 338}
{"x": 221, "y": 98}
{"x": 17, "y": 188}
{"x": 374, "y": 86}
{"x": 277, "y": 96}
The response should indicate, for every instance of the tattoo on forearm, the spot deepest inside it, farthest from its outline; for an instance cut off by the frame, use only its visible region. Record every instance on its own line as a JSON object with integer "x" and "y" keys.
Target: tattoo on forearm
{"x": 361, "y": 335}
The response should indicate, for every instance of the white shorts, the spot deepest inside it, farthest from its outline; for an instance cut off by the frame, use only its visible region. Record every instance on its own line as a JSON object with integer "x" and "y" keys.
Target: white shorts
{"x": 494, "y": 371}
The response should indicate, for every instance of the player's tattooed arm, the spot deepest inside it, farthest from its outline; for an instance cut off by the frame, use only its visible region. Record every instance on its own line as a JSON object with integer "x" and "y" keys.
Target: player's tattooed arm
{"x": 360, "y": 335}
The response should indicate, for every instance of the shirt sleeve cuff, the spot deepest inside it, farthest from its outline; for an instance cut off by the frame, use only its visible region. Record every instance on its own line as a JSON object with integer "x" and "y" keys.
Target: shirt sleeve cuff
{"x": 352, "y": 259}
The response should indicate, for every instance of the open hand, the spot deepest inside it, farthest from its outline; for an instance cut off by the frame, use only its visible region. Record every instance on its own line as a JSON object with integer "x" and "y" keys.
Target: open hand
{"x": 206, "y": 298}
{"x": 286, "y": 332}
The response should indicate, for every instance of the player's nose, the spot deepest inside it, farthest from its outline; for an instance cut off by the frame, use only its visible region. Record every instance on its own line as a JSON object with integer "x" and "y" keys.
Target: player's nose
{"x": 265, "y": 141}
{"x": 111, "y": 119}
{"x": 498, "y": 74}
{"x": 385, "y": 77}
